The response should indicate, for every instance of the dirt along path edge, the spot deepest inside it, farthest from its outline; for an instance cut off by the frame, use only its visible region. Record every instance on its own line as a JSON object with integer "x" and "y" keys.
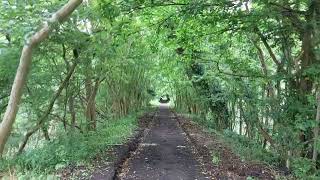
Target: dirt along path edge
{"x": 123, "y": 152}
{"x": 106, "y": 165}
{"x": 229, "y": 165}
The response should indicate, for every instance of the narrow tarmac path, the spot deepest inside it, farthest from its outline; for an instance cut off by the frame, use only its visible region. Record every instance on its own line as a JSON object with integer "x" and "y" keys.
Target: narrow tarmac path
{"x": 164, "y": 154}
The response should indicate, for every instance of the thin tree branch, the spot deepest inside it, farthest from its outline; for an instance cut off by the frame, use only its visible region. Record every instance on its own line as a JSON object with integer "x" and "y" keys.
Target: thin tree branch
{"x": 238, "y": 75}
{"x": 47, "y": 112}
{"x": 287, "y": 8}
{"x": 265, "y": 42}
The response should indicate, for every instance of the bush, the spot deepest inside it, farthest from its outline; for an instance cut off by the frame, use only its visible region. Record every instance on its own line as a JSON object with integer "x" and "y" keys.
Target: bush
{"x": 71, "y": 148}
{"x": 304, "y": 168}
{"x": 250, "y": 150}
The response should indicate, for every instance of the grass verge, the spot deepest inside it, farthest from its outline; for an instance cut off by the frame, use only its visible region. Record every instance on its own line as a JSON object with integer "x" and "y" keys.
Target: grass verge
{"x": 68, "y": 148}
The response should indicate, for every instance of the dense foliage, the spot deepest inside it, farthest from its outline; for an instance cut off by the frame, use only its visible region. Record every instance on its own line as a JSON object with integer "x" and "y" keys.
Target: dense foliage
{"x": 249, "y": 68}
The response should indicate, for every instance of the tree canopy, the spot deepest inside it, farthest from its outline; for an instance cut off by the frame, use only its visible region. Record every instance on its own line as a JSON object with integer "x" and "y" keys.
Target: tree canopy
{"x": 245, "y": 67}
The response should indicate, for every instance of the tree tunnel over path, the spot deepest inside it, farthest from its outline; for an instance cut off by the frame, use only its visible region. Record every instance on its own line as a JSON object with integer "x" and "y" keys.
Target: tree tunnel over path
{"x": 248, "y": 69}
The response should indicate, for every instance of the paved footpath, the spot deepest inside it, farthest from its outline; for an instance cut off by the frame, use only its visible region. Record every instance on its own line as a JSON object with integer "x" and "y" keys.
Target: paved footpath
{"x": 164, "y": 154}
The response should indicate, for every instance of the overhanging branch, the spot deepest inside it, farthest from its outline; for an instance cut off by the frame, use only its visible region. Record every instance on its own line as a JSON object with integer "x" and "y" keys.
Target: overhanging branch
{"x": 238, "y": 75}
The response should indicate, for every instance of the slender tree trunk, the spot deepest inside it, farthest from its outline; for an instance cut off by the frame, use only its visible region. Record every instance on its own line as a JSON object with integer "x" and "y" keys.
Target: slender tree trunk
{"x": 88, "y": 86}
{"x": 89, "y": 93}
{"x": 289, "y": 154}
{"x": 64, "y": 57}
{"x": 269, "y": 49}
{"x": 72, "y": 111}
{"x": 65, "y": 109}
{"x": 308, "y": 60}
{"x": 241, "y": 117}
{"x": 24, "y": 66}
{"x": 91, "y": 106}
{"x": 45, "y": 133}
{"x": 233, "y": 109}
{"x": 269, "y": 88}
{"x": 316, "y": 130}
{"x": 265, "y": 134}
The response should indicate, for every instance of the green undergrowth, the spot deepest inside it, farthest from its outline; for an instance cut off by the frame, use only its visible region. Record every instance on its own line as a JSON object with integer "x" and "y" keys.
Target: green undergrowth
{"x": 301, "y": 168}
{"x": 251, "y": 150}
{"x": 75, "y": 148}
{"x": 247, "y": 149}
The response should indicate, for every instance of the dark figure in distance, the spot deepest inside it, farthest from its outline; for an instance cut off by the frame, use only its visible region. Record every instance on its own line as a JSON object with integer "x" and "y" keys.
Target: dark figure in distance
{"x": 164, "y": 99}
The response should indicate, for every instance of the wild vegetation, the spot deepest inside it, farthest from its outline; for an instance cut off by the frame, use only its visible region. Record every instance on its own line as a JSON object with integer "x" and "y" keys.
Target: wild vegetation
{"x": 248, "y": 69}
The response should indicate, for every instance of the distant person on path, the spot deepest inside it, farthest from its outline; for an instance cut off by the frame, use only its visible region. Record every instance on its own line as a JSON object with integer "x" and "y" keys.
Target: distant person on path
{"x": 164, "y": 99}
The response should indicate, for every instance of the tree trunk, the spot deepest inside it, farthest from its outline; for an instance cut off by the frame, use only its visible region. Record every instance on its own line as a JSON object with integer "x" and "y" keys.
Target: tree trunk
{"x": 265, "y": 134}
{"x": 72, "y": 111}
{"x": 64, "y": 52}
{"x": 45, "y": 133}
{"x": 65, "y": 109}
{"x": 316, "y": 130}
{"x": 308, "y": 60}
{"x": 91, "y": 106}
{"x": 269, "y": 49}
{"x": 24, "y": 66}
{"x": 288, "y": 163}
{"x": 241, "y": 117}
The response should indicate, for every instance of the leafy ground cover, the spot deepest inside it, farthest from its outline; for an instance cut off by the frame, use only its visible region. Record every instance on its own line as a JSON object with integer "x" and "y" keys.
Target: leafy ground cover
{"x": 76, "y": 148}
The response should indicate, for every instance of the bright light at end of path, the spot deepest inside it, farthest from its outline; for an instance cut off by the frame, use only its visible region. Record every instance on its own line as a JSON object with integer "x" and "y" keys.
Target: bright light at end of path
{"x": 166, "y": 105}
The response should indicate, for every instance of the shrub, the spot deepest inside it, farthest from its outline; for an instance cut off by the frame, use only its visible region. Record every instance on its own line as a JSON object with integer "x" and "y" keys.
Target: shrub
{"x": 71, "y": 148}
